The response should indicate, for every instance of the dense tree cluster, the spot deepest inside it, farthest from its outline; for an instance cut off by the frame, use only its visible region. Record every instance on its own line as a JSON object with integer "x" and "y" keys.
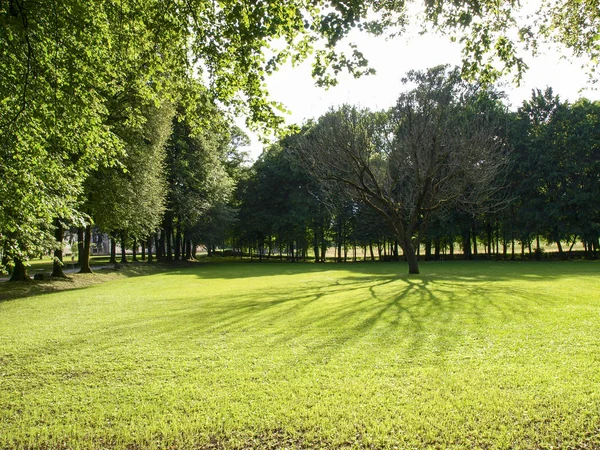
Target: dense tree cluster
{"x": 360, "y": 179}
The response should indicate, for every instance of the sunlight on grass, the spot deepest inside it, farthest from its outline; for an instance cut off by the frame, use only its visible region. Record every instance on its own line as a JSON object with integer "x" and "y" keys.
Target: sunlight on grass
{"x": 272, "y": 355}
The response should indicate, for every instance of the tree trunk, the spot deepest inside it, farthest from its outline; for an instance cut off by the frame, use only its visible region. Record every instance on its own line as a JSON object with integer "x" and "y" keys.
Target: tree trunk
{"x": 57, "y": 264}
{"x": 85, "y": 257}
{"x": 467, "y": 245}
{"x": 113, "y": 251}
{"x": 143, "y": 249}
{"x": 160, "y": 245}
{"x": 411, "y": 257}
{"x": 134, "y": 251}
{"x": 19, "y": 272}
{"x": 490, "y": 241}
{"x": 427, "y": 250}
{"x": 149, "y": 244}
{"x": 80, "y": 244}
{"x": 561, "y": 252}
{"x": 168, "y": 234}
{"x": 123, "y": 254}
{"x": 178, "y": 244}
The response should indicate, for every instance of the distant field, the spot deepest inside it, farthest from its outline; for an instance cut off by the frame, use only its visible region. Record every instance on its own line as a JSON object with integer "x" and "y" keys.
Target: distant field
{"x": 240, "y": 355}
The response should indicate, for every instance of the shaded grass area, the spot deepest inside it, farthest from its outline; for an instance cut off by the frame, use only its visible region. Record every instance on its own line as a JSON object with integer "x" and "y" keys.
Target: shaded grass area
{"x": 15, "y": 290}
{"x": 486, "y": 355}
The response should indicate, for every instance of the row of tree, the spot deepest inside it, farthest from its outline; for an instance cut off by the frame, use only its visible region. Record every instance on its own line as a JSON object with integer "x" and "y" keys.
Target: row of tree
{"x": 448, "y": 165}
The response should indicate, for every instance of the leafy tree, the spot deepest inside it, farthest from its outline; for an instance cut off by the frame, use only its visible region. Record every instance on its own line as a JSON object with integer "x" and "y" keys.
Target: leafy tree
{"x": 197, "y": 179}
{"x": 438, "y": 148}
{"x": 129, "y": 201}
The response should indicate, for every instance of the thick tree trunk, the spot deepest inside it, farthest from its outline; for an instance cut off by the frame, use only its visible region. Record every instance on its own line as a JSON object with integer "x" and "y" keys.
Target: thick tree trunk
{"x": 143, "y": 249}
{"x": 57, "y": 264}
{"x": 80, "y": 244}
{"x": 19, "y": 272}
{"x": 437, "y": 245}
{"x": 411, "y": 257}
{"x": 85, "y": 257}
{"x": 123, "y": 251}
{"x": 113, "y": 251}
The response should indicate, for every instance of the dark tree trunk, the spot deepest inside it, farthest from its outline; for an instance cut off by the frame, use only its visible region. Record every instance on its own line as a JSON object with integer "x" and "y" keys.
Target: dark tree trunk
{"x": 123, "y": 254}
{"x": 411, "y": 257}
{"x": 57, "y": 264}
{"x": 113, "y": 251}
{"x": 19, "y": 272}
{"x": 261, "y": 244}
{"x": 134, "y": 251}
{"x": 188, "y": 249}
{"x": 85, "y": 257}
{"x": 437, "y": 249}
{"x": 178, "y": 244}
{"x": 561, "y": 252}
{"x": 467, "y": 245}
{"x": 143, "y": 249}
{"x": 149, "y": 244}
{"x": 194, "y": 246}
{"x": 490, "y": 241}
{"x": 474, "y": 245}
{"x": 427, "y": 250}
{"x": 451, "y": 245}
{"x": 371, "y": 251}
{"x": 80, "y": 244}
{"x": 160, "y": 245}
{"x": 168, "y": 235}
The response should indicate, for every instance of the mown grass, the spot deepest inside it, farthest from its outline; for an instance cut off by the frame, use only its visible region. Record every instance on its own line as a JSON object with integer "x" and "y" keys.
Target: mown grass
{"x": 483, "y": 355}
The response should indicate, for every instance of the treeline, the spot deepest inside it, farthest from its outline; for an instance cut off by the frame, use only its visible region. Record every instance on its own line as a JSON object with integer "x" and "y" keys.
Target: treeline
{"x": 550, "y": 194}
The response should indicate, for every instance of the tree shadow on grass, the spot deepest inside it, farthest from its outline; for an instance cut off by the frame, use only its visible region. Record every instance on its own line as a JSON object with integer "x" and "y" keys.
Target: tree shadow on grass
{"x": 321, "y": 321}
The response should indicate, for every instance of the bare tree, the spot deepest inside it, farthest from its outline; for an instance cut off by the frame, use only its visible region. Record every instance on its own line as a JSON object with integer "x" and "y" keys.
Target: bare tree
{"x": 438, "y": 148}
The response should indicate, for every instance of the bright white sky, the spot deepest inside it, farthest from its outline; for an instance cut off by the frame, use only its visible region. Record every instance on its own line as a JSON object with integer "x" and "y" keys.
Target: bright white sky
{"x": 295, "y": 88}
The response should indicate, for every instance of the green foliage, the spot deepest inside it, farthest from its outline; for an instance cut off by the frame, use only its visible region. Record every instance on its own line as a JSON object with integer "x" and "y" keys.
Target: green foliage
{"x": 130, "y": 199}
{"x": 467, "y": 355}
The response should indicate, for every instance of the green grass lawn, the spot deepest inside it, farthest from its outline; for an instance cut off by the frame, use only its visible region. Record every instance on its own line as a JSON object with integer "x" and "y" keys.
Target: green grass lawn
{"x": 477, "y": 355}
